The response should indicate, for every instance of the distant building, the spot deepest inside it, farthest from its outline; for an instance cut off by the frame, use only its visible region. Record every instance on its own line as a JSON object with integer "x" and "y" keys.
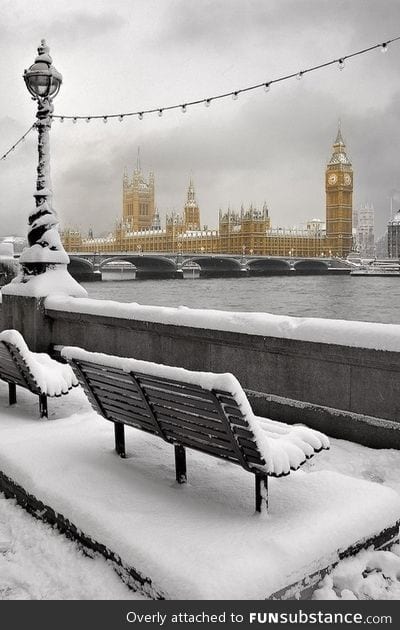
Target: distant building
{"x": 381, "y": 246}
{"x": 245, "y": 231}
{"x": 365, "y": 231}
{"x": 394, "y": 236}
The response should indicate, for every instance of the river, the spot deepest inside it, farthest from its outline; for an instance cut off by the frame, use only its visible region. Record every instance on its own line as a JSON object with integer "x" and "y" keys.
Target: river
{"x": 373, "y": 299}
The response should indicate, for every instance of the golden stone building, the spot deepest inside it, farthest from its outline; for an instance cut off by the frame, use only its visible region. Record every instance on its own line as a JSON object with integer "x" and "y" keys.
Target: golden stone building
{"x": 248, "y": 231}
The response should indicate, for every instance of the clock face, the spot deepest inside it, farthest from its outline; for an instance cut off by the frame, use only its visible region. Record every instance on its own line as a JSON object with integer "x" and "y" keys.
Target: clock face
{"x": 347, "y": 179}
{"x": 332, "y": 178}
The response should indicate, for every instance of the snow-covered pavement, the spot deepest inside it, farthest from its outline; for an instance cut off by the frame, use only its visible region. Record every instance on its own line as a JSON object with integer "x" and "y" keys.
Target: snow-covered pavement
{"x": 38, "y": 563}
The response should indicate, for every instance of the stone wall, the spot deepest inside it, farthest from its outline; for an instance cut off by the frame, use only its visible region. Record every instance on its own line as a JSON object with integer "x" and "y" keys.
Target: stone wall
{"x": 351, "y": 393}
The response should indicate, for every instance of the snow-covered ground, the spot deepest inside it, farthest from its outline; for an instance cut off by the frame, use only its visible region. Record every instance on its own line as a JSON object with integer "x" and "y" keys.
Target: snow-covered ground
{"x": 38, "y": 563}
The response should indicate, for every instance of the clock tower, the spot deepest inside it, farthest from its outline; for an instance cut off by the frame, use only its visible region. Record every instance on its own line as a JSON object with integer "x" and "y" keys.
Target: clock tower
{"x": 339, "y": 199}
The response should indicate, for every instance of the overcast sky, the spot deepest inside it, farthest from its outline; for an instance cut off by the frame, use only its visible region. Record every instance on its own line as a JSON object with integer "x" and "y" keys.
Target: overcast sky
{"x": 128, "y": 55}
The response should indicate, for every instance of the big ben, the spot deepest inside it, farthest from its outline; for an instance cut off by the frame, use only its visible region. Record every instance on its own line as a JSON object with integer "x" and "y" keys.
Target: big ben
{"x": 339, "y": 199}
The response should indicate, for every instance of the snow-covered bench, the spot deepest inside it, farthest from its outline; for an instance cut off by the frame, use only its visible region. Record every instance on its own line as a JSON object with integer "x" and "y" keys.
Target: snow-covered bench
{"x": 37, "y": 372}
{"x": 197, "y": 410}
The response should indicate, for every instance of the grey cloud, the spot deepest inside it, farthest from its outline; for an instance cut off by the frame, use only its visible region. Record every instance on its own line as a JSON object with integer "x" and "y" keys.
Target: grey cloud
{"x": 83, "y": 25}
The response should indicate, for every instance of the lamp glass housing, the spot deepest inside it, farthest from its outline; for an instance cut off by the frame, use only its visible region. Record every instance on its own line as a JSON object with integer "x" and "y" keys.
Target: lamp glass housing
{"x": 42, "y": 80}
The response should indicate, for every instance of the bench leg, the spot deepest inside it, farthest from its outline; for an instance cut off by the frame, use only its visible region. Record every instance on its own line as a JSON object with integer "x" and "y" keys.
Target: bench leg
{"x": 43, "y": 406}
{"x": 261, "y": 491}
{"x": 119, "y": 432}
{"x": 12, "y": 393}
{"x": 180, "y": 463}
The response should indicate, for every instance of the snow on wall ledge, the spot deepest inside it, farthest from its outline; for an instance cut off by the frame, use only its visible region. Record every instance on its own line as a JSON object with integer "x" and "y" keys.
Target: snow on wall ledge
{"x": 318, "y": 330}
{"x": 53, "y": 281}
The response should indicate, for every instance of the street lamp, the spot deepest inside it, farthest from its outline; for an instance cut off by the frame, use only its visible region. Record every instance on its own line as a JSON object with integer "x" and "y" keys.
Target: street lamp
{"x": 45, "y": 251}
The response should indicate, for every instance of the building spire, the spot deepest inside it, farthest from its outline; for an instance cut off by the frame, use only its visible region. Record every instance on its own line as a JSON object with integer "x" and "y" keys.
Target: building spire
{"x": 191, "y": 197}
{"x": 339, "y": 138}
{"x": 138, "y": 168}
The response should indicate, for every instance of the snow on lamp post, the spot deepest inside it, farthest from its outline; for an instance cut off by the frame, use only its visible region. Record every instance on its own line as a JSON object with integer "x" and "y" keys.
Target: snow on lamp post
{"x": 44, "y": 262}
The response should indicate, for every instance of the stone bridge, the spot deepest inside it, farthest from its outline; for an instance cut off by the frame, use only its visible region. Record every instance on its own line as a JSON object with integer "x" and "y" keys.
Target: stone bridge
{"x": 88, "y": 266}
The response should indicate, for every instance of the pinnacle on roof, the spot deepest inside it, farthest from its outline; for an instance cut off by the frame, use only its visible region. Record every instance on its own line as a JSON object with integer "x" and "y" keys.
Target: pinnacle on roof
{"x": 339, "y": 137}
{"x": 191, "y": 197}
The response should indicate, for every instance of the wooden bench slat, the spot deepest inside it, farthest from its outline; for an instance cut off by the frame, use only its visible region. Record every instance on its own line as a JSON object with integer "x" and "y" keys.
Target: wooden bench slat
{"x": 11, "y": 370}
{"x": 186, "y": 413}
{"x": 24, "y": 369}
{"x": 191, "y": 442}
{"x": 11, "y": 373}
{"x": 124, "y": 403}
{"x": 237, "y": 421}
{"x": 213, "y": 425}
{"x": 113, "y": 391}
{"x": 169, "y": 424}
{"x": 247, "y": 443}
{"x": 253, "y": 456}
{"x": 99, "y": 367}
{"x": 195, "y": 390}
{"x": 120, "y": 377}
{"x": 233, "y": 412}
{"x": 224, "y": 399}
{"x": 134, "y": 420}
{"x": 243, "y": 432}
{"x": 102, "y": 377}
{"x": 128, "y": 411}
{"x": 183, "y": 398}
{"x": 181, "y": 406}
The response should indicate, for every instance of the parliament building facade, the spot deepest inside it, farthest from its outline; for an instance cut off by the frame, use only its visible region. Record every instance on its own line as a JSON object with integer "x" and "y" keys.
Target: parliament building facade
{"x": 248, "y": 231}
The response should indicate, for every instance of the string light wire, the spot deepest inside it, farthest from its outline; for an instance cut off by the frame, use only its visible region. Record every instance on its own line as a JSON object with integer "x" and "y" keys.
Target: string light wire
{"x": 266, "y": 85}
{"x": 21, "y": 139}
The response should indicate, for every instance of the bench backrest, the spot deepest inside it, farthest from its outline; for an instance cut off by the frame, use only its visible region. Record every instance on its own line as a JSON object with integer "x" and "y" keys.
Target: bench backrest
{"x": 181, "y": 413}
{"x": 13, "y": 368}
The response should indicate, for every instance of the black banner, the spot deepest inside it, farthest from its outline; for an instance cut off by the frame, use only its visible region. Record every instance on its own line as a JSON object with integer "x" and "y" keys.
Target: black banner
{"x": 175, "y": 615}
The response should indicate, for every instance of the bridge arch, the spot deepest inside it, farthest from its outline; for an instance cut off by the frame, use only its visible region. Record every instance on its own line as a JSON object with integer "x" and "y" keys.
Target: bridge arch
{"x": 217, "y": 266}
{"x": 268, "y": 267}
{"x": 146, "y": 266}
{"x": 311, "y": 267}
{"x": 81, "y": 269}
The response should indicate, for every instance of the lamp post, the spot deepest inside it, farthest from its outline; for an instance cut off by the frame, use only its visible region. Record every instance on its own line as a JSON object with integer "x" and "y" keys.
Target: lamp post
{"x": 45, "y": 251}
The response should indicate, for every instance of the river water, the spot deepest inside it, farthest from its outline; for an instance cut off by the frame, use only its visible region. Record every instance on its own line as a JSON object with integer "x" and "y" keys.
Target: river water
{"x": 373, "y": 299}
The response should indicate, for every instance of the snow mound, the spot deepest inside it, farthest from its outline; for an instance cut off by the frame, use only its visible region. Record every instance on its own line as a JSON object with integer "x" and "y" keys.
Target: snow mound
{"x": 51, "y": 282}
{"x": 52, "y": 377}
{"x": 283, "y": 447}
{"x": 369, "y": 575}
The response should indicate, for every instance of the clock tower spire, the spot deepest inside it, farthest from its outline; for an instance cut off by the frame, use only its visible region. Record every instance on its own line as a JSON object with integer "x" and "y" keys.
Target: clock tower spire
{"x": 339, "y": 199}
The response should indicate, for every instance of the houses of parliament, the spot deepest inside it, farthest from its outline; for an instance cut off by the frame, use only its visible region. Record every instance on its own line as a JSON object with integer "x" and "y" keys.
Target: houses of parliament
{"x": 248, "y": 231}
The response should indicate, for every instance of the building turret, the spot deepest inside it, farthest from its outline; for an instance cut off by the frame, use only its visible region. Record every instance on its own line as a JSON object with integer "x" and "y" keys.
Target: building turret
{"x": 191, "y": 211}
{"x": 138, "y": 199}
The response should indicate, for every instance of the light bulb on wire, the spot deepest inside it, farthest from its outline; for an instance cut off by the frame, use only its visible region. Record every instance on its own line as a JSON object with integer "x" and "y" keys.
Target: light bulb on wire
{"x": 341, "y": 64}
{"x": 267, "y": 87}
{"x": 384, "y": 47}
{"x": 235, "y": 96}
